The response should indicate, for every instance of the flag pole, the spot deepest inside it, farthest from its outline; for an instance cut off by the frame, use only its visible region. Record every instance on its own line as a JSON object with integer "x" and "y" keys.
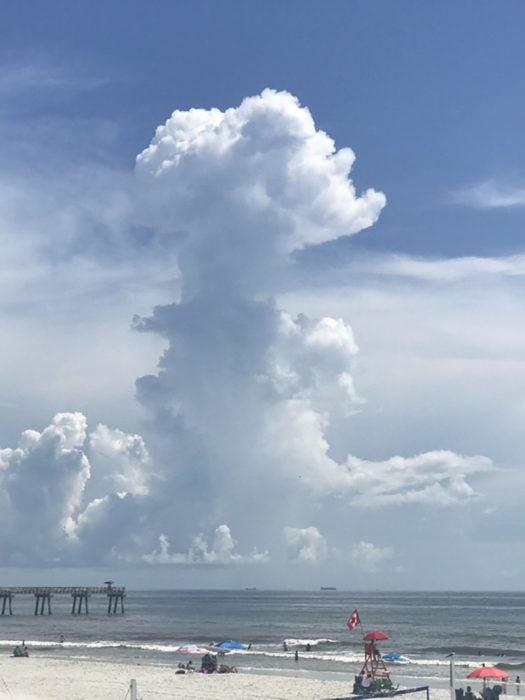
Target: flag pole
{"x": 452, "y": 674}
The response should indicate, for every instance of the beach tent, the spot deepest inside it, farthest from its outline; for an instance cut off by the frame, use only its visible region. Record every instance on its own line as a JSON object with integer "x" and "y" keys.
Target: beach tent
{"x": 395, "y": 657}
{"x": 487, "y": 672}
{"x": 231, "y": 644}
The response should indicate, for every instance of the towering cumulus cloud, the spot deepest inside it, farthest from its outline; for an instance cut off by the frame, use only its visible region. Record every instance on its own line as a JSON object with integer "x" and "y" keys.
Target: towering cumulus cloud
{"x": 245, "y": 394}
{"x": 245, "y": 187}
{"x": 238, "y": 466}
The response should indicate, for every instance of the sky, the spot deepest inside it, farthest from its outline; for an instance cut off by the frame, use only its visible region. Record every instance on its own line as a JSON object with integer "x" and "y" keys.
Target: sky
{"x": 261, "y": 294}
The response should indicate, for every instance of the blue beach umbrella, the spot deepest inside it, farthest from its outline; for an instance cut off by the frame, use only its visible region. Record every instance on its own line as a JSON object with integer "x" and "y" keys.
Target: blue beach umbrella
{"x": 395, "y": 657}
{"x": 231, "y": 644}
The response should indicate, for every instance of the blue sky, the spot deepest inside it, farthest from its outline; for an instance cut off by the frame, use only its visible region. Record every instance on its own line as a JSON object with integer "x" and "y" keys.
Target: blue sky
{"x": 255, "y": 330}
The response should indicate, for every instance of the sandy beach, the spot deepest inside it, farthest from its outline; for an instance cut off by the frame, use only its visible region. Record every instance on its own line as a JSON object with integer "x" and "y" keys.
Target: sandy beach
{"x": 39, "y": 678}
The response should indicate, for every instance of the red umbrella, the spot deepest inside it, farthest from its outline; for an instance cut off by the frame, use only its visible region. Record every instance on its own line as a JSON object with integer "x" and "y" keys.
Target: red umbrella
{"x": 488, "y": 672}
{"x": 375, "y": 636}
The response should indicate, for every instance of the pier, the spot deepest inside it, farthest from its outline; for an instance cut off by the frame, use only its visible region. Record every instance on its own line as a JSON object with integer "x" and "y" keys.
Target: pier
{"x": 80, "y": 596}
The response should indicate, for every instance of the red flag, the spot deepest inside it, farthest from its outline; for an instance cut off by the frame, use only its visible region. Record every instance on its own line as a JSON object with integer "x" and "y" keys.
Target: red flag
{"x": 353, "y": 620}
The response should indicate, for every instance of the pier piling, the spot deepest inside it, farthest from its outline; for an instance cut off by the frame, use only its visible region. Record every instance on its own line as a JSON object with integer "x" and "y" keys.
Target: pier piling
{"x": 7, "y": 598}
{"x": 80, "y": 596}
{"x": 41, "y": 597}
{"x": 114, "y": 597}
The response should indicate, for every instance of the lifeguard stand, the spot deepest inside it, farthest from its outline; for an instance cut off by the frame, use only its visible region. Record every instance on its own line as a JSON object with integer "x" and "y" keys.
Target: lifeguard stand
{"x": 374, "y": 664}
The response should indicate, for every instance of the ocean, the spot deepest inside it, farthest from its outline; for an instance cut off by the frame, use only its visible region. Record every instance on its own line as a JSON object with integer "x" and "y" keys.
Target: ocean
{"x": 425, "y": 627}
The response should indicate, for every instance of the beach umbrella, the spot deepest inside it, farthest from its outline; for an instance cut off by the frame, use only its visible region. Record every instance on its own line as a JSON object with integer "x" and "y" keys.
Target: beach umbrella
{"x": 231, "y": 644}
{"x": 375, "y": 636}
{"x": 190, "y": 649}
{"x": 487, "y": 672}
{"x": 395, "y": 657}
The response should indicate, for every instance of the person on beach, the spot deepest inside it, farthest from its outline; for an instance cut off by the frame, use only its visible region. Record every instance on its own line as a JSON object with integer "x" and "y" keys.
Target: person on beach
{"x": 285, "y": 646}
{"x": 469, "y": 695}
{"x": 208, "y": 663}
{"x": 296, "y": 656}
{"x": 308, "y": 647}
{"x": 518, "y": 681}
{"x": 356, "y": 689}
{"x": 190, "y": 667}
{"x": 358, "y": 683}
{"x": 488, "y": 693}
{"x": 497, "y": 690}
{"x": 21, "y": 650}
{"x": 366, "y": 683}
{"x": 224, "y": 668}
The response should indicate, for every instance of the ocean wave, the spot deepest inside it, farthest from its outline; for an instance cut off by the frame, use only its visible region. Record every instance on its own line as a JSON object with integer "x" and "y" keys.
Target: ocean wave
{"x": 312, "y": 642}
{"x": 322, "y": 650}
{"x": 509, "y": 666}
{"x": 43, "y": 644}
{"x": 483, "y": 653}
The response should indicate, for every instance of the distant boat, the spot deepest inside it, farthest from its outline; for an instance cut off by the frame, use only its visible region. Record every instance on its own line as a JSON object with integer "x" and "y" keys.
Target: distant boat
{"x": 328, "y": 588}
{"x": 250, "y": 589}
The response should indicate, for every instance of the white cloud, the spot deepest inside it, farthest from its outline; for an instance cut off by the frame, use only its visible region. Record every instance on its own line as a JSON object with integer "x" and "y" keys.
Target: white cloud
{"x": 74, "y": 269}
{"x": 246, "y": 393}
{"x": 371, "y": 558}
{"x": 42, "y": 481}
{"x": 45, "y": 482}
{"x": 120, "y": 460}
{"x": 491, "y": 194}
{"x": 39, "y": 76}
{"x": 312, "y": 359}
{"x": 435, "y": 478}
{"x": 245, "y": 187}
{"x": 330, "y": 332}
{"x": 446, "y": 269}
{"x": 305, "y": 545}
{"x": 219, "y": 552}
{"x": 250, "y": 415}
